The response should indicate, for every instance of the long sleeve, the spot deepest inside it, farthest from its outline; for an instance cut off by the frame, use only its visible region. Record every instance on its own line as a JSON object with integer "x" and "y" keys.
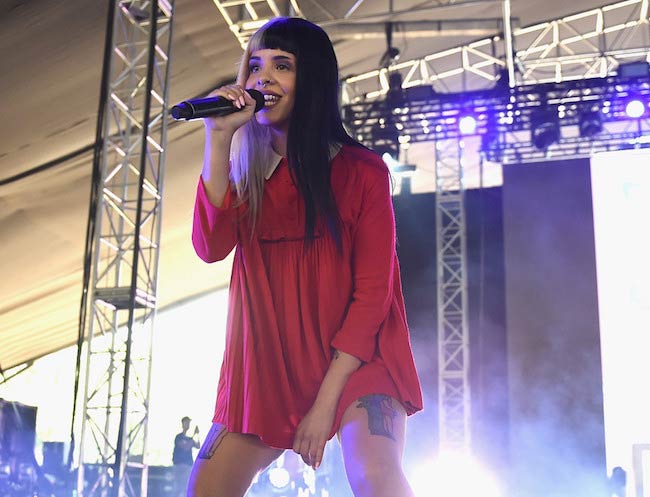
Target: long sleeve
{"x": 214, "y": 232}
{"x": 373, "y": 268}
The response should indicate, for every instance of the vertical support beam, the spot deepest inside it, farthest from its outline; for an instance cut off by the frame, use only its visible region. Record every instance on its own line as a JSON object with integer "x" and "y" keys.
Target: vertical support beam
{"x": 453, "y": 336}
{"x": 122, "y": 291}
{"x": 507, "y": 35}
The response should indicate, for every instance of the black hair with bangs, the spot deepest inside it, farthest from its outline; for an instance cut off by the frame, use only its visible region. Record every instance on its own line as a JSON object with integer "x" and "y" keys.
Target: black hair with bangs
{"x": 315, "y": 120}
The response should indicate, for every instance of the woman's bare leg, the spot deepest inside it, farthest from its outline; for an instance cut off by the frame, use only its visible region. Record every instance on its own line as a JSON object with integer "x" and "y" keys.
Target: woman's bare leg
{"x": 372, "y": 438}
{"x": 227, "y": 463}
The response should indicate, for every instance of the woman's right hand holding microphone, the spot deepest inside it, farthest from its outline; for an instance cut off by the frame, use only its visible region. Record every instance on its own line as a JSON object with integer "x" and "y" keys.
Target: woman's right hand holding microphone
{"x": 231, "y": 122}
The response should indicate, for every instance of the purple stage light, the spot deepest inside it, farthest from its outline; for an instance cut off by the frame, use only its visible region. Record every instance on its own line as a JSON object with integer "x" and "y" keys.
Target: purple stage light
{"x": 467, "y": 125}
{"x": 635, "y": 108}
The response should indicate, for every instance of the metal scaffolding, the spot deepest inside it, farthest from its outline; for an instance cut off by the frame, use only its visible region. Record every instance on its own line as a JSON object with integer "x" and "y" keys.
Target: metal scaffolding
{"x": 563, "y": 68}
{"x": 119, "y": 297}
{"x": 244, "y": 17}
{"x": 586, "y": 45}
{"x": 454, "y": 400}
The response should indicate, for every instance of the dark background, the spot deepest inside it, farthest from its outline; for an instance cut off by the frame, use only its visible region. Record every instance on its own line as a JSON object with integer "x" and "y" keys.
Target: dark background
{"x": 535, "y": 372}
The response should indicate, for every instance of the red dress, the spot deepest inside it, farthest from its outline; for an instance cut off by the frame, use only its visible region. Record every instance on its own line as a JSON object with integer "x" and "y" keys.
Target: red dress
{"x": 290, "y": 306}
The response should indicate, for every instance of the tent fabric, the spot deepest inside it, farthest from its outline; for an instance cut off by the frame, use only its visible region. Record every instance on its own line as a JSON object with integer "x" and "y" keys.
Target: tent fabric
{"x": 49, "y": 88}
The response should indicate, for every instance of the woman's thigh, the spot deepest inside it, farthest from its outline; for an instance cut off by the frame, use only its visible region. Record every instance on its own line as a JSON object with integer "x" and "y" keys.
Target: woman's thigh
{"x": 372, "y": 439}
{"x": 227, "y": 463}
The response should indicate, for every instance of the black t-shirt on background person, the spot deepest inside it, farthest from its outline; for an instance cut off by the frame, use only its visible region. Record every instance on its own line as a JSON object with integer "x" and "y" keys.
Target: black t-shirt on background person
{"x": 183, "y": 450}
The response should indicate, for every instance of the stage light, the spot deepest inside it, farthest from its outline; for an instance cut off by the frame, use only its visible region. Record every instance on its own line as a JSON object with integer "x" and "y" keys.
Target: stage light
{"x": 279, "y": 477}
{"x": 395, "y": 166}
{"x": 545, "y": 128}
{"x": 467, "y": 125}
{"x": 385, "y": 139}
{"x": 454, "y": 475}
{"x": 590, "y": 123}
{"x": 635, "y": 108}
{"x": 395, "y": 94}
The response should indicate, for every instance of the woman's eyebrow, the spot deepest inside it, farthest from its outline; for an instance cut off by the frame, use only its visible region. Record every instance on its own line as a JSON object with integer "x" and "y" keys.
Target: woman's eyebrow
{"x": 255, "y": 58}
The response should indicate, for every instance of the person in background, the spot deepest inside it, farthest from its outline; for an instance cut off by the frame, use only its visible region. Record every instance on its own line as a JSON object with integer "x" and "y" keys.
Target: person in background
{"x": 317, "y": 342}
{"x": 617, "y": 482}
{"x": 182, "y": 457}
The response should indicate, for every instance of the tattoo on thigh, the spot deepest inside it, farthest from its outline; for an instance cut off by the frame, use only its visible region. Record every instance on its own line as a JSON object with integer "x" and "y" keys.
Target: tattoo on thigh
{"x": 212, "y": 441}
{"x": 380, "y": 414}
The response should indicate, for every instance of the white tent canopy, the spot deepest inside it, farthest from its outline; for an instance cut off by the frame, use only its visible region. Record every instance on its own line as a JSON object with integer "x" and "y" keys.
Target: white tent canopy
{"x": 49, "y": 88}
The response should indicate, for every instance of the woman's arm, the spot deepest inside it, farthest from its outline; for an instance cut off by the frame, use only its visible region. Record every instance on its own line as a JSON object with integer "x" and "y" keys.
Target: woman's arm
{"x": 373, "y": 259}
{"x": 373, "y": 267}
{"x": 313, "y": 432}
{"x": 216, "y": 170}
{"x": 214, "y": 233}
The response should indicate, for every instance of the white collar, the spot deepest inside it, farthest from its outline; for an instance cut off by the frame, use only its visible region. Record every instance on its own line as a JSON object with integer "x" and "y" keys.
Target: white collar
{"x": 275, "y": 159}
{"x": 273, "y": 164}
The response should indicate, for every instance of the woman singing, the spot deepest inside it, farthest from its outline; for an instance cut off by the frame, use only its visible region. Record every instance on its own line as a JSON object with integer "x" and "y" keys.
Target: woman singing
{"x": 317, "y": 339}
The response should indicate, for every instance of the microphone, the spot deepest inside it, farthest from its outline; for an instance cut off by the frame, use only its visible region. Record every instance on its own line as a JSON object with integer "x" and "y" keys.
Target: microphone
{"x": 198, "y": 108}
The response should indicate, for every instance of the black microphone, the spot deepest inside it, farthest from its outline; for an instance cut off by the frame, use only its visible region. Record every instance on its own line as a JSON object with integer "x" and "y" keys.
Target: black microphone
{"x": 198, "y": 108}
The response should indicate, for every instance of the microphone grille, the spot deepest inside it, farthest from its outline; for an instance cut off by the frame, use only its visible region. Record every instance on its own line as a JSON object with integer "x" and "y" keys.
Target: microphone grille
{"x": 259, "y": 98}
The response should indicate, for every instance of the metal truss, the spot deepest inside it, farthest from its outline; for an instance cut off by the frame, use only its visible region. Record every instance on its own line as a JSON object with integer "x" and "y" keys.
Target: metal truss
{"x": 454, "y": 401}
{"x": 585, "y": 45}
{"x": 479, "y": 79}
{"x": 506, "y": 116}
{"x": 244, "y": 17}
{"x": 123, "y": 287}
{"x": 505, "y": 119}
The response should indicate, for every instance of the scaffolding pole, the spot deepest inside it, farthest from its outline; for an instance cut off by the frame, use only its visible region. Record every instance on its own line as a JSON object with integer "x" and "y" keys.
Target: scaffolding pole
{"x": 120, "y": 294}
{"x": 454, "y": 400}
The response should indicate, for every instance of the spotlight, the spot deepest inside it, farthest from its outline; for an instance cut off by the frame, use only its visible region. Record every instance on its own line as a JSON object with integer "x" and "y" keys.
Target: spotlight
{"x": 389, "y": 57}
{"x": 590, "y": 123}
{"x": 635, "y": 108}
{"x": 279, "y": 478}
{"x": 467, "y": 125}
{"x": 395, "y": 95}
{"x": 396, "y": 166}
{"x": 545, "y": 128}
{"x": 385, "y": 139}
{"x": 454, "y": 474}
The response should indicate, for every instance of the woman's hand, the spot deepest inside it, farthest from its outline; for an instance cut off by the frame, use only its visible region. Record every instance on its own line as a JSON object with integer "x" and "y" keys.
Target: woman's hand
{"x": 312, "y": 434}
{"x": 231, "y": 122}
{"x": 313, "y": 431}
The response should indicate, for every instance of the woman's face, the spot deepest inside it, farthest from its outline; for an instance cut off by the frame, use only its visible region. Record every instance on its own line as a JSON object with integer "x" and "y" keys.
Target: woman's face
{"x": 273, "y": 72}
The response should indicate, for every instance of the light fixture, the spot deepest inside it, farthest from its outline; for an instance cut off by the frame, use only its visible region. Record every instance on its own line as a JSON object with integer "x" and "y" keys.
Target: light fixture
{"x": 391, "y": 55}
{"x": 545, "y": 128}
{"x": 395, "y": 95}
{"x": 397, "y": 167}
{"x": 456, "y": 474}
{"x": 635, "y": 108}
{"x": 385, "y": 139}
{"x": 590, "y": 123}
{"x": 467, "y": 125}
{"x": 279, "y": 478}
